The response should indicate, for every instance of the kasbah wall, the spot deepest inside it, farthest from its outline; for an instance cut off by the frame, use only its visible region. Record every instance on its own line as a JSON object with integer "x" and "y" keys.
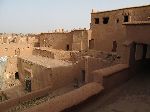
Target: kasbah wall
{"x": 103, "y": 35}
{"x": 114, "y": 30}
{"x": 74, "y": 40}
{"x": 55, "y": 40}
{"x": 42, "y": 77}
{"x": 34, "y": 70}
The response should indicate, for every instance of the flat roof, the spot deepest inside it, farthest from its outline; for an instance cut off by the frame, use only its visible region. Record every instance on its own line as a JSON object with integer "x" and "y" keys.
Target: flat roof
{"x": 137, "y": 23}
{"x": 46, "y": 62}
{"x": 52, "y": 50}
{"x": 121, "y": 9}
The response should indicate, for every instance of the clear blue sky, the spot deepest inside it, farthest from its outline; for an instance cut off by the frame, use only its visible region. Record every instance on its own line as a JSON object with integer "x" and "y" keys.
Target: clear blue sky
{"x": 44, "y": 15}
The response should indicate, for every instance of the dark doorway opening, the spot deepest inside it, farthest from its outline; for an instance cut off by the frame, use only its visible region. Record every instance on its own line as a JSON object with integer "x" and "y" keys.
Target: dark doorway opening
{"x": 83, "y": 76}
{"x": 144, "y": 50}
{"x": 91, "y": 44}
{"x": 16, "y": 75}
{"x": 126, "y": 18}
{"x": 67, "y": 47}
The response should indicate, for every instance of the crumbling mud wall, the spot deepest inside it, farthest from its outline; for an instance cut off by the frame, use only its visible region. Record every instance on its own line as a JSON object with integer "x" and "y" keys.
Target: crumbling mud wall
{"x": 43, "y": 53}
{"x": 68, "y": 100}
{"x": 56, "y": 40}
{"x": 57, "y": 54}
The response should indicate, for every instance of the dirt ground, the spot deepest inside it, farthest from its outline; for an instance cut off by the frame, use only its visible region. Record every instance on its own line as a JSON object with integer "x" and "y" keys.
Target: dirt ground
{"x": 133, "y": 96}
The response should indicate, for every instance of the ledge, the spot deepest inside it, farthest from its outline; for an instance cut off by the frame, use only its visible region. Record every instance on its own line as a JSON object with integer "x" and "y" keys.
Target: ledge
{"x": 137, "y": 23}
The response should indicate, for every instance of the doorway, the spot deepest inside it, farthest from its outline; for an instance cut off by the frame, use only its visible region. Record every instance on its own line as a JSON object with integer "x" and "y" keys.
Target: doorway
{"x": 16, "y": 75}
{"x": 91, "y": 44}
{"x": 83, "y": 76}
{"x": 67, "y": 47}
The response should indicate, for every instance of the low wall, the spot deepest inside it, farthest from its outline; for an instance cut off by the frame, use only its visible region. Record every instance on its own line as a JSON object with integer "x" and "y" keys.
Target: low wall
{"x": 92, "y": 64}
{"x": 4, "y": 106}
{"x": 68, "y": 100}
{"x": 112, "y": 76}
{"x": 43, "y": 53}
{"x": 57, "y": 54}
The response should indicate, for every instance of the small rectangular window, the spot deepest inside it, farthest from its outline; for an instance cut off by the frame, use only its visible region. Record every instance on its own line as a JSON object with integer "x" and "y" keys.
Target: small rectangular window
{"x": 126, "y": 18}
{"x": 96, "y": 20}
{"x": 105, "y": 20}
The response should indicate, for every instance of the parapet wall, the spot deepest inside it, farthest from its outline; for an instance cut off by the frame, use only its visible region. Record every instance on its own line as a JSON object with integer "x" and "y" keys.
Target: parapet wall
{"x": 92, "y": 63}
{"x": 68, "y": 100}
{"x": 57, "y": 54}
{"x": 4, "y": 106}
{"x": 112, "y": 76}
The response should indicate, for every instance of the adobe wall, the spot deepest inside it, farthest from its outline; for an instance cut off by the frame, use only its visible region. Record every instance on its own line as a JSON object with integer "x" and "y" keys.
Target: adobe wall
{"x": 125, "y": 55}
{"x": 57, "y": 54}
{"x": 112, "y": 76}
{"x": 43, "y": 53}
{"x": 138, "y": 32}
{"x": 32, "y": 40}
{"x": 76, "y": 39}
{"x": 40, "y": 76}
{"x": 56, "y": 40}
{"x": 15, "y": 49}
{"x": 105, "y": 34}
{"x": 62, "y": 76}
{"x": 11, "y": 67}
{"x": 80, "y": 40}
{"x": 92, "y": 64}
{"x": 68, "y": 55}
